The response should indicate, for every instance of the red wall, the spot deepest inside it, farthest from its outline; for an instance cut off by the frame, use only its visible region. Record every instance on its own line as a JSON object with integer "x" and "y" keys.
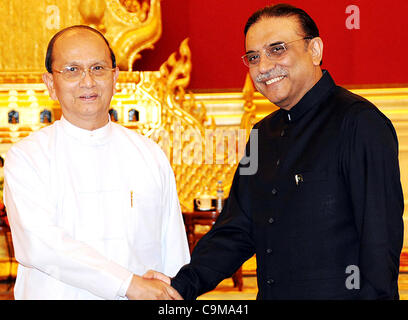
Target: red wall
{"x": 376, "y": 54}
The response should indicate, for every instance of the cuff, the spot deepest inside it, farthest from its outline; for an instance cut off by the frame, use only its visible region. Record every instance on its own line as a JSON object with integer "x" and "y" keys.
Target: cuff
{"x": 124, "y": 287}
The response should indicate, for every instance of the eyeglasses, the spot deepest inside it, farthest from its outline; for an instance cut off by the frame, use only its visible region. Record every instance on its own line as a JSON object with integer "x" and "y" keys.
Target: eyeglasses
{"x": 75, "y": 73}
{"x": 273, "y": 51}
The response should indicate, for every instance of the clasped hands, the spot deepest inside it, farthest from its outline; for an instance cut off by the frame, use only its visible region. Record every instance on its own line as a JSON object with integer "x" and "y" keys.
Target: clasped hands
{"x": 153, "y": 285}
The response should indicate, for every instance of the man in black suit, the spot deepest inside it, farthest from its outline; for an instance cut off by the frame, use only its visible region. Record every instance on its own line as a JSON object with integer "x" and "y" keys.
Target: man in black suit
{"x": 323, "y": 212}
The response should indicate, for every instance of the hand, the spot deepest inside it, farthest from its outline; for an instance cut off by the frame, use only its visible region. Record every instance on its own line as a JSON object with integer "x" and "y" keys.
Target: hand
{"x": 151, "y": 289}
{"x": 151, "y": 274}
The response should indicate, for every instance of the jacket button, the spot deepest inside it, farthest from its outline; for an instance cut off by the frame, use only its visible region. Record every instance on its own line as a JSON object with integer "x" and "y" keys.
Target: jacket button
{"x": 270, "y": 282}
{"x": 271, "y": 220}
{"x": 282, "y": 133}
{"x": 269, "y": 251}
{"x": 277, "y": 162}
{"x": 274, "y": 191}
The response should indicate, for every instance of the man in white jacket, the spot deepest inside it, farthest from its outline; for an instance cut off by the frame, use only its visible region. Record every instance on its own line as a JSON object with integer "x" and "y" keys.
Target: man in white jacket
{"x": 92, "y": 205}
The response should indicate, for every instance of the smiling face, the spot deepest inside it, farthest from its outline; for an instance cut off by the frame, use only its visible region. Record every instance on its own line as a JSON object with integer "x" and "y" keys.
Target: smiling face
{"x": 284, "y": 80}
{"x": 85, "y": 102}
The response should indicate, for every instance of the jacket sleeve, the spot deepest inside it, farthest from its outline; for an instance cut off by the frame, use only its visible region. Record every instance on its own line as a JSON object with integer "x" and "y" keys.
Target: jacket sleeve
{"x": 373, "y": 178}
{"x": 220, "y": 252}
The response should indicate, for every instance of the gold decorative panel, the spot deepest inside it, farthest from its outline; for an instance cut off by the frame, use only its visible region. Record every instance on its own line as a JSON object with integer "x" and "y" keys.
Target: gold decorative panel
{"x": 28, "y": 25}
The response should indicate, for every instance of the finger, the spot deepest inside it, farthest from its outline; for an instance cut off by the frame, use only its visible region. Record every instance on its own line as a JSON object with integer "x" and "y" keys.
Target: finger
{"x": 173, "y": 293}
{"x": 163, "y": 277}
{"x": 149, "y": 274}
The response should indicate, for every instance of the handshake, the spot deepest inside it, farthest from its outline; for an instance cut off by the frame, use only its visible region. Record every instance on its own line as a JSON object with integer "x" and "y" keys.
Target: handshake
{"x": 153, "y": 285}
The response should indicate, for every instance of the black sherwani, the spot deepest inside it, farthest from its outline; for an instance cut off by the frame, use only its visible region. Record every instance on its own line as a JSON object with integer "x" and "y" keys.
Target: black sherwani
{"x": 325, "y": 205}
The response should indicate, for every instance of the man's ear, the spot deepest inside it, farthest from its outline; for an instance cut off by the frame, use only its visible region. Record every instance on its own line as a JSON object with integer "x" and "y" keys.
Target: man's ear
{"x": 316, "y": 49}
{"x": 49, "y": 82}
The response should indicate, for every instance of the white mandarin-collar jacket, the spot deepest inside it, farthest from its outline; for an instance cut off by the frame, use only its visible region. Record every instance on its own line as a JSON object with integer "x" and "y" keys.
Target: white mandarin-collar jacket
{"x": 89, "y": 208}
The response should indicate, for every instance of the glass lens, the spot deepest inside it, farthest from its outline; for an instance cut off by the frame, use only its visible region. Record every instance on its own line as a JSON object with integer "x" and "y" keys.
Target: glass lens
{"x": 251, "y": 59}
{"x": 99, "y": 71}
{"x": 72, "y": 72}
{"x": 76, "y": 73}
{"x": 276, "y": 50}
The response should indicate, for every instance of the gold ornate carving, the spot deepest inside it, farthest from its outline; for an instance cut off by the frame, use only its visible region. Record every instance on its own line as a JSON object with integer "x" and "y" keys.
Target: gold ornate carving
{"x": 176, "y": 70}
{"x": 195, "y": 150}
{"x": 28, "y": 25}
{"x": 92, "y": 12}
{"x": 134, "y": 6}
{"x": 249, "y": 117}
{"x": 132, "y": 32}
{"x": 256, "y": 106}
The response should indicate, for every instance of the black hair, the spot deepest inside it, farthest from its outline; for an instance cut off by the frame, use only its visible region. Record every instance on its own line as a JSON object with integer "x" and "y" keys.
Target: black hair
{"x": 48, "y": 56}
{"x": 309, "y": 27}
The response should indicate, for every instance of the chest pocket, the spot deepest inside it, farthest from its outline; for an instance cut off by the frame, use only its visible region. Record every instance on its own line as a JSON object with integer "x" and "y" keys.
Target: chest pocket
{"x": 309, "y": 177}
{"x": 314, "y": 193}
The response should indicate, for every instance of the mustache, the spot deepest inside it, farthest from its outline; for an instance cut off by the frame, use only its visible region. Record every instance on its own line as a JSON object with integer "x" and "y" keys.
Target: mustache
{"x": 273, "y": 73}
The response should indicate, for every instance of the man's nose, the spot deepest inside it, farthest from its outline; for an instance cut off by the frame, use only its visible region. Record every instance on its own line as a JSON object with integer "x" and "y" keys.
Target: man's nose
{"x": 265, "y": 64}
{"x": 86, "y": 79}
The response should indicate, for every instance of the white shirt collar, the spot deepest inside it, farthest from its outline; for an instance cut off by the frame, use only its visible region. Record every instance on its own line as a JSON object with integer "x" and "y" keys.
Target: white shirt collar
{"x": 98, "y": 136}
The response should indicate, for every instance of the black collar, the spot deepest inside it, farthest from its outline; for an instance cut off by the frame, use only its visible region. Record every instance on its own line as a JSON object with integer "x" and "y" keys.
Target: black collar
{"x": 314, "y": 97}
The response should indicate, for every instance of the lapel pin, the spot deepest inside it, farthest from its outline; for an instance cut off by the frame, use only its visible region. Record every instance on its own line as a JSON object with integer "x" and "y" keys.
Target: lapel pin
{"x": 298, "y": 178}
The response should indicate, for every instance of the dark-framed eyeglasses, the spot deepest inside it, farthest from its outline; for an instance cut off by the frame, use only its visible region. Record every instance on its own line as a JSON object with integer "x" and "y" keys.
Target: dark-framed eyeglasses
{"x": 273, "y": 51}
{"x": 75, "y": 73}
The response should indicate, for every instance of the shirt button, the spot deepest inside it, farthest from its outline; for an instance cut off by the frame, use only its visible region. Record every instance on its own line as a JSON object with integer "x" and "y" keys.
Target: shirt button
{"x": 274, "y": 191}
{"x": 270, "y": 282}
{"x": 269, "y": 251}
{"x": 271, "y": 220}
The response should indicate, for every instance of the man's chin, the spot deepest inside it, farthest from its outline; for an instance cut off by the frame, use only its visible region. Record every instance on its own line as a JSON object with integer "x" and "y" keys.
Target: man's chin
{"x": 277, "y": 98}
{"x": 274, "y": 93}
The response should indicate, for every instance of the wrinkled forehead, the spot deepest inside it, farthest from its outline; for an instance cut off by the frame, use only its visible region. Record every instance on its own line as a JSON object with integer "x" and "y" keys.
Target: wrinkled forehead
{"x": 272, "y": 29}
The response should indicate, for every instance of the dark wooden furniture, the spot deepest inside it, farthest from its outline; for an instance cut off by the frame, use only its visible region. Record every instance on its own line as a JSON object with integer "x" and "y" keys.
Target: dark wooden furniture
{"x": 205, "y": 218}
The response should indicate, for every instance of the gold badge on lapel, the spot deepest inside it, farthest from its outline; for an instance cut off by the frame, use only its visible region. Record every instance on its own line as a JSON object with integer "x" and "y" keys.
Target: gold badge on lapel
{"x": 298, "y": 179}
